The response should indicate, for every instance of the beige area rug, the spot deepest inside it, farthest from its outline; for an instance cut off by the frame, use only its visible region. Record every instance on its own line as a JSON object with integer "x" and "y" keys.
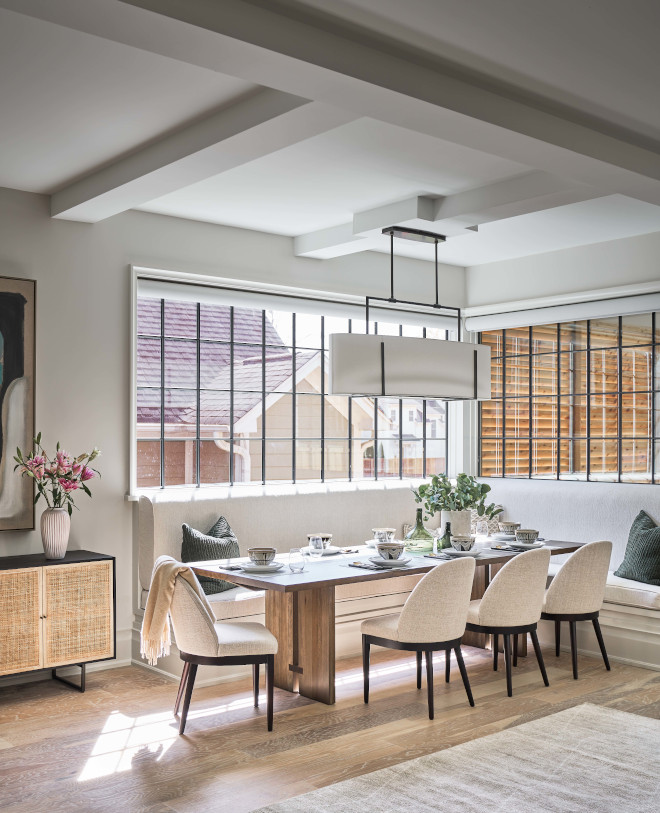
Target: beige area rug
{"x": 587, "y": 759}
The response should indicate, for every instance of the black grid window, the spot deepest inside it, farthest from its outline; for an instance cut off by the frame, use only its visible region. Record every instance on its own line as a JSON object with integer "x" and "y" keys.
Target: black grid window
{"x": 574, "y": 401}
{"x": 233, "y": 395}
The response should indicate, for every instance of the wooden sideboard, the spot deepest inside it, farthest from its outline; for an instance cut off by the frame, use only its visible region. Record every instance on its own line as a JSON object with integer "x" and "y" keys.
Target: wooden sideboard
{"x": 56, "y": 612}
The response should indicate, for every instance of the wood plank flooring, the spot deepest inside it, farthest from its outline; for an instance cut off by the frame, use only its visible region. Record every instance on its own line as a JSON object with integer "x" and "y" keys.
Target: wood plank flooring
{"x": 116, "y": 748}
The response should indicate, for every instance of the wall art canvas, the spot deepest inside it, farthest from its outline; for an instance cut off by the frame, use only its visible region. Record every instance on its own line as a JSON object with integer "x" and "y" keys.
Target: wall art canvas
{"x": 17, "y": 350}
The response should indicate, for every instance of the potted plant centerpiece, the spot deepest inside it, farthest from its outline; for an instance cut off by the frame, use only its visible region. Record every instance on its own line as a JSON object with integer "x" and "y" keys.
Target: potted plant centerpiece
{"x": 58, "y": 480}
{"x": 455, "y": 500}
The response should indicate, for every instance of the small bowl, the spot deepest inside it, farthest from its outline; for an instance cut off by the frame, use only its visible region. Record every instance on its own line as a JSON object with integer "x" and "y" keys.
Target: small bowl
{"x": 390, "y": 550}
{"x": 526, "y": 535}
{"x": 508, "y": 527}
{"x": 383, "y": 534}
{"x": 261, "y": 556}
{"x": 327, "y": 539}
{"x": 462, "y": 542}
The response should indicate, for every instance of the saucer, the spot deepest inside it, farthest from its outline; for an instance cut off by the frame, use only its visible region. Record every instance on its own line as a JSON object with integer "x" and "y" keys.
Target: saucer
{"x": 271, "y": 568}
{"x": 329, "y": 551}
{"x": 454, "y": 552}
{"x": 378, "y": 560}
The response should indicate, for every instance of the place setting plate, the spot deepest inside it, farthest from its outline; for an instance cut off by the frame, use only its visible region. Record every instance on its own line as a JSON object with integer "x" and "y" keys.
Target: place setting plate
{"x": 274, "y": 567}
{"x": 385, "y": 563}
{"x": 331, "y": 550}
{"x": 457, "y": 553}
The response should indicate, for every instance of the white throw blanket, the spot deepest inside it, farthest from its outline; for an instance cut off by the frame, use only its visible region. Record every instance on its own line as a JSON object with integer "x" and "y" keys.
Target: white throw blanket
{"x": 155, "y": 636}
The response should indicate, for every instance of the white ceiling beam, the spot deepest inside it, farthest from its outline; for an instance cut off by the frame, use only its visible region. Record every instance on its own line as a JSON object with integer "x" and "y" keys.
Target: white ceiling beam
{"x": 451, "y": 216}
{"x": 308, "y": 55}
{"x": 266, "y": 121}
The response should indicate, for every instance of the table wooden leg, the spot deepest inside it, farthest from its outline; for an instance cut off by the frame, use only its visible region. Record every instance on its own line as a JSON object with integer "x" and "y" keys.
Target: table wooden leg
{"x": 279, "y": 620}
{"x": 304, "y": 624}
{"x": 479, "y": 586}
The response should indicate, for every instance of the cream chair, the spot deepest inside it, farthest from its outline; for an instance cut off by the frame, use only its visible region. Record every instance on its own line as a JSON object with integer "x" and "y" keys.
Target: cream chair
{"x": 432, "y": 619}
{"x": 201, "y": 640}
{"x": 576, "y": 594}
{"x": 512, "y": 605}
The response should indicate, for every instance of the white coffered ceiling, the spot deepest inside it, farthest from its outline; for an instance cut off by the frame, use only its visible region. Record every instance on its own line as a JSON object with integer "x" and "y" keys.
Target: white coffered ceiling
{"x": 514, "y": 127}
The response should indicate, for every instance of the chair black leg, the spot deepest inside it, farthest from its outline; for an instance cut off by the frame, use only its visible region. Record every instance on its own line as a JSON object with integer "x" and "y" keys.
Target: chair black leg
{"x": 270, "y": 680}
{"x": 515, "y": 650}
{"x": 464, "y": 674}
{"x": 496, "y": 646}
{"x": 182, "y": 684}
{"x": 192, "y": 673}
{"x": 601, "y": 643}
{"x": 539, "y": 656}
{"x": 447, "y": 664}
{"x": 429, "y": 681}
{"x": 507, "y": 664}
{"x": 557, "y": 636}
{"x": 573, "y": 628}
{"x": 419, "y": 668}
{"x": 365, "y": 666}
{"x": 255, "y": 684}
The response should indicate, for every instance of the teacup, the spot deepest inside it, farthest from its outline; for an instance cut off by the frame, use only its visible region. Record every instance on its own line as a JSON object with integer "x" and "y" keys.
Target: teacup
{"x": 327, "y": 538}
{"x": 462, "y": 542}
{"x": 508, "y": 527}
{"x": 390, "y": 550}
{"x": 383, "y": 534}
{"x": 261, "y": 556}
{"x": 526, "y": 535}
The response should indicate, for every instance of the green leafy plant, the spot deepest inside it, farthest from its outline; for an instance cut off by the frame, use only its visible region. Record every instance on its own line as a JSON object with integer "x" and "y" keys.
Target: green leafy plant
{"x": 441, "y": 494}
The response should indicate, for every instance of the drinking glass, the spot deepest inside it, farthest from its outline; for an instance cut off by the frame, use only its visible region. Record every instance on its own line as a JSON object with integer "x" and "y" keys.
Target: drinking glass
{"x": 316, "y": 547}
{"x": 482, "y": 528}
{"x": 296, "y": 560}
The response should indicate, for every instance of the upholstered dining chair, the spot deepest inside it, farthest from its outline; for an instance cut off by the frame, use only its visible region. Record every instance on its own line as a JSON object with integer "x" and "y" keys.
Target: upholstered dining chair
{"x": 432, "y": 619}
{"x": 512, "y": 605}
{"x": 203, "y": 641}
{"x": 576, "y": 594}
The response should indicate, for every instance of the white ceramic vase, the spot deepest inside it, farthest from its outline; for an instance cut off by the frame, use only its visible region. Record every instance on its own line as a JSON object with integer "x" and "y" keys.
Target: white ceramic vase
{"x": 55, "y": 527}
{"x": 460, "y": 522}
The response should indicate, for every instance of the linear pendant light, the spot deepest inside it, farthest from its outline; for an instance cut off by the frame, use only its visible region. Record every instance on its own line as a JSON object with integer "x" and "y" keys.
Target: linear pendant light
{"x": 406, "y": 367}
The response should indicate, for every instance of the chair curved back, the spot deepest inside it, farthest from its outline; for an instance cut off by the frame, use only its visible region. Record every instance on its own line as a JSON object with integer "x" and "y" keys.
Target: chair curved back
{"x": 436, "y": 609}
{"x": 579, "y": 586}
{"x": 515, "y": 596}
{"x": 194, "y": 629}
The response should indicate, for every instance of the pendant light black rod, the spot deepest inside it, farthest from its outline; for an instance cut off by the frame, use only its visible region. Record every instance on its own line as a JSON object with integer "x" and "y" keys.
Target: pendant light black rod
{"x": 437, "y": 284}
{"x": 392, "y": 267}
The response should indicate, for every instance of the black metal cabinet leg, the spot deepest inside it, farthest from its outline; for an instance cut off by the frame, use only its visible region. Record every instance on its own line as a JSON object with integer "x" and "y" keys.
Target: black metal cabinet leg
{"x": 496, "y": 645}
{"x": 447, "y": 664}
{"x": 192, "y": 673}
{"x": 419, "y": 668}
{"x": 255, "y": 683}
{"x": 464, "y": 674}
{"x": 573, "y": 628}
{"x": 429, "y": 681}
{"x": 270, "y": 680}
{"x": 539, "y": 656}
{"x": 365, "y": 666}
{"x": 557, "y": 636}
{"x": 80, "y": 686}
{"x": 601, "y": 643}
{"x": 507, "y": 664}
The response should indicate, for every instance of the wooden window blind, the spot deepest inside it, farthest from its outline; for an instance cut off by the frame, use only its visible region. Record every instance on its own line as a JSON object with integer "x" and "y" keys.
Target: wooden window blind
{"x": 573, "y": 401}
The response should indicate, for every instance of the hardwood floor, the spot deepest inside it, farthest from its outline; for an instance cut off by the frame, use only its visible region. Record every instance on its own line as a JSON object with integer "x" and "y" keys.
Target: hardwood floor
{"x": 116, "y": 747}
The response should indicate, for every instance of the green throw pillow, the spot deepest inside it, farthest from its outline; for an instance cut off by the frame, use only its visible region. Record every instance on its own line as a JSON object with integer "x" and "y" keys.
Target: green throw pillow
{"x": 219, "y": 543}
{"x": 641, "y": 562}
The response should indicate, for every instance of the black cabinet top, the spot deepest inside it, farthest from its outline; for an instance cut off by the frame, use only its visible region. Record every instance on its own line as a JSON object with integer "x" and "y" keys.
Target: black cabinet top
{"x": 71, "y": 557}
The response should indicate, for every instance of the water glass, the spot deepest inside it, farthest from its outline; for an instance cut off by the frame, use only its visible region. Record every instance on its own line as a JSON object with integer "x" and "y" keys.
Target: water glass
{"x": 481, "y": 528}
{"x": 296, "y": 560}
{"x": 316, "y": 547}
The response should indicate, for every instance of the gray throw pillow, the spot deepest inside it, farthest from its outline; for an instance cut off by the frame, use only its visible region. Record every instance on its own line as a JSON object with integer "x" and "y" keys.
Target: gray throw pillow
{"x": 641, "y": 562}
{"x": 219, "y": 543}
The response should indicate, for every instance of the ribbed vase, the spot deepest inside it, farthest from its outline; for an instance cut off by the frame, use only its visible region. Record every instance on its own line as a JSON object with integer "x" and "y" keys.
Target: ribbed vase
{"x": 55, "y": 527}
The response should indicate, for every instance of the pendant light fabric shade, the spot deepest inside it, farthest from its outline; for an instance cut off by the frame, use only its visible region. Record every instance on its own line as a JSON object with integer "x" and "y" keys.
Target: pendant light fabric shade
{"x": 404, "y": 367}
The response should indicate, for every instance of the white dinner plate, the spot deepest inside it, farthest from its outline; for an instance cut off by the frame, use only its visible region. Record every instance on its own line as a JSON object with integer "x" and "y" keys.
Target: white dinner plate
{"x": 329, "y": 551}
{"x": 525, "y": 545}
{"x": 378, "y": 560}
{"x": 271, "y": 568}
{"x": 503, "y": 537}
{"x": 454, "y": 552}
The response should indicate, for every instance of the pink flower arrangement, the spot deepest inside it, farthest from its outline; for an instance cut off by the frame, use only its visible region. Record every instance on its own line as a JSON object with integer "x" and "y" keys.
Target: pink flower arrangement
{"x": 58, "y": 478}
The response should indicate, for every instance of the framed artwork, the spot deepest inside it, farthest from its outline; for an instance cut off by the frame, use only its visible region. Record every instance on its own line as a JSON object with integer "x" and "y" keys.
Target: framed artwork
{"x": 17, "y": 363}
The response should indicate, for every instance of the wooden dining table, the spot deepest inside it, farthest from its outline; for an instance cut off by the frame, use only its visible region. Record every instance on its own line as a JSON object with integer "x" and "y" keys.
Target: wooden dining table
{"x": 300, "y": 607}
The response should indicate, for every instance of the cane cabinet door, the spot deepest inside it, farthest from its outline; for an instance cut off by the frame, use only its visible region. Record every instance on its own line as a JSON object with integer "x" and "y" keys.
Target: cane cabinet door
{"x": 20, "y": 620}
{"x": 78, "y": 612}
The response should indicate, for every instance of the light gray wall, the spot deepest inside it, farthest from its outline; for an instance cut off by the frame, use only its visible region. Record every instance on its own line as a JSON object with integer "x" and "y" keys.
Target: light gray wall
{"x": 83, "y": 324}
{"x": 603, "y": 265}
